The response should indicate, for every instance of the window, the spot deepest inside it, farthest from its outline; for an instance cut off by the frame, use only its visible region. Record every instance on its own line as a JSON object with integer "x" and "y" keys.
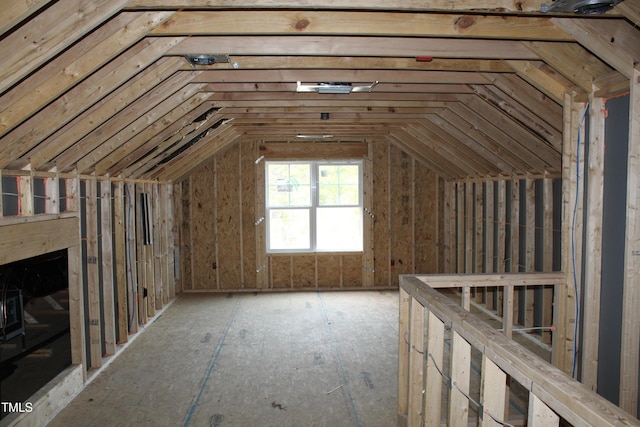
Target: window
{"x": 314, "y": 206}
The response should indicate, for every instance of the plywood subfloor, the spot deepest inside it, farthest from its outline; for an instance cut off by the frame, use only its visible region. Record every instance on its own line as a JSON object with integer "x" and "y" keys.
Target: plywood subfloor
{"x": 290, "y": 359}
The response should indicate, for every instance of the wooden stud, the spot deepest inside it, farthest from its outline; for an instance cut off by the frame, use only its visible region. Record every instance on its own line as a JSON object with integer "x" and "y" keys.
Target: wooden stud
{"x": 368, "y": 269}
{"x": 489, "y": 239}
{"x": 565, "y": 297}
{"x": 502, "y": 227}
{"x": 106, "y": 242}
{"x": 262, "y": 270}
{"x": 132, "y": 258}
{"x": 172, "y": 231}
{"x": 76, "y": 305}
{"x": 93, "y": 278}
{"x": 416, "y": 363}
{"x": 492, "y": 393}
{"x": 479, "y": 236}
{"x": 403, "y": 357}
{"x": 540, "y": 415}
{"x": 158, "y": 257}
{"x": 148, "y": 249}
{"x": 530, "y": 248}
{"x": 25, "y": 194}
{"x": 460, "y": 378}
{"x": 547, "y": 255}
{"x": 448, "y": 226}
{"x": 434, "y": 361}
{"x": 468, "y": 240}
{"x": 52, "y": 193}
{"x": 460, "y": 232}
{"x": 514, "y": 255}
{"x": 593, "y": 244}
{"x": 631, "y": 291}
{"x": 120, "y": 259}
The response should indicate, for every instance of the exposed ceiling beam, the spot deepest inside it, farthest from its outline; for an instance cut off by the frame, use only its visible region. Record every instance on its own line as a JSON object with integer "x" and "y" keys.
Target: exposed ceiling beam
{"x": 614, "y": 41}
{"x": 342, "y": 75}
{"x": 495, "y": 6}
{"x": 630, "y": 9}
{"x": 354, "y": 46}
{"x": 15, "y": 11}
{"x": 542, "y": 77}
{"x": 49, "y": 33}
{"x": 75, "y": 64}
{"x": 246, "y": 22}
{"x": 356, "y": 63}
{"x": 64, "y": 126}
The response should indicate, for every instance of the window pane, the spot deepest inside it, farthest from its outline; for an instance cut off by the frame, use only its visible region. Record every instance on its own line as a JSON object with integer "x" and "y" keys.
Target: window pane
{"x": 289, "y": 229}
{"x": 339, "y": 185}
{"x": 339, "y": 229}
{"x": 349, "y": 195}
{"x": 349, "y": 174}
{"x": 289, "y": 184}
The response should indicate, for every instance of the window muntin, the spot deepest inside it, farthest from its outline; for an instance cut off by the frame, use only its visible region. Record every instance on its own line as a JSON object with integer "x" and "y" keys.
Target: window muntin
{"x": 314, "y": 206}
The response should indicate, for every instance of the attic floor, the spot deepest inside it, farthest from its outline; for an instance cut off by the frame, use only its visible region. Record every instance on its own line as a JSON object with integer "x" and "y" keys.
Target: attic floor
{"x": 277, "y": 359}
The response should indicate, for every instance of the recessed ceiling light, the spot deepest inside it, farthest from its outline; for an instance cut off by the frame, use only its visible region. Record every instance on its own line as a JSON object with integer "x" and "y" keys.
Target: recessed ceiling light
{"x": 313, "y": 136}
{"x": 334, "y": 87}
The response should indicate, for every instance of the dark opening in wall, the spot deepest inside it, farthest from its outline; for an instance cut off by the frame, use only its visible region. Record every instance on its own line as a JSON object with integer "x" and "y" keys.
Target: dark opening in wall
{"x": 10, "y": 203}
{"x": 34, "y": 326}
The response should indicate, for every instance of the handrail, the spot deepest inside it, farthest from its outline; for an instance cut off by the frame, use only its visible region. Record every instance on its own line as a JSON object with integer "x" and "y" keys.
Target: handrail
{"x": 552, "y": 393}
{"x": 508, "y": 281}
{"x": 490, "y": 279}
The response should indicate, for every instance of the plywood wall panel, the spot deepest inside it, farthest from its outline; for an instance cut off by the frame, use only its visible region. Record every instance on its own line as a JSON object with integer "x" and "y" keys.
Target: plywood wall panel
{"x": 248, "y": 192}
{"x": 400, "y": 213}
{"x": 427, "y": 199}
{"x": 328, "y": 271}
{"x": 228, "y": 218}
{"x": 303, "y": 273}
{"x": 280, "y": 269}
{"x": 351, "y": 270}
{"x": 380, "y": 211}
{"x": 202, "y": 230}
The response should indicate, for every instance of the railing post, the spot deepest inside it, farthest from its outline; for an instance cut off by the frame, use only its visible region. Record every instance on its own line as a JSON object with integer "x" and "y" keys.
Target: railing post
{"x": 460, "y": 377}
{"x": 416, "y": 363}
{"x": 403, "y": 356}
{"x": 435, "y": 360}
{"x": 507, "y": 311}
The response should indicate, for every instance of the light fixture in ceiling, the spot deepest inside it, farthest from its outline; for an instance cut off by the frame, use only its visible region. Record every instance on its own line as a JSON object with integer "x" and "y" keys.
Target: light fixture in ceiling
{"x": 314, "y": 136}
{"x": 206, "y": 59}
{"x": 334, "y": 87}
{"x": 583, "y": 7}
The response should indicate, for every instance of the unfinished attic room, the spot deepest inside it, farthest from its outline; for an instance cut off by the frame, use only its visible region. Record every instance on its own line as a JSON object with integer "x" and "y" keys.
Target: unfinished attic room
{"x": 319, "y": 213}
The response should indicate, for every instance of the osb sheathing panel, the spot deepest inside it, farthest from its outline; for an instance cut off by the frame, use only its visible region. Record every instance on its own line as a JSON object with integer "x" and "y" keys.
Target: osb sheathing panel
{"x": 381, "y": 219}
{"x": 228, "y": 218}
{"x": 401, "y": 213}
{"x": 441, "y": 226}
{"x": 304, "y": 271}
{"x": 248, "y": 154}
{"x": 351, "y": 270}
{"x": 186, "y": 244}
{"x": 328, "y": 271}
{"x": 202, "y": 229}
{"x": 426, "y": 202}
{"x": 280, "y": 268}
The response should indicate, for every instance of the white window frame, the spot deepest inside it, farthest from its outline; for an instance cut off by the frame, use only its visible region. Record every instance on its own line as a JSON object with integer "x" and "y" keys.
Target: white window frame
{"x": 315, "y": 203}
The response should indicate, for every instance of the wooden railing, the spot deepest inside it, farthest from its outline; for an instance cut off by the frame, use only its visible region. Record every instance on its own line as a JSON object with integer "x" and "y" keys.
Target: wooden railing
{"x": 434, "y": 390}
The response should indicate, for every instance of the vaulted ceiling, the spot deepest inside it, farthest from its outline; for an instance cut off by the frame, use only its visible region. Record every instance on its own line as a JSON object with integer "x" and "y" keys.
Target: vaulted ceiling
{"x": 469, "y": 87}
